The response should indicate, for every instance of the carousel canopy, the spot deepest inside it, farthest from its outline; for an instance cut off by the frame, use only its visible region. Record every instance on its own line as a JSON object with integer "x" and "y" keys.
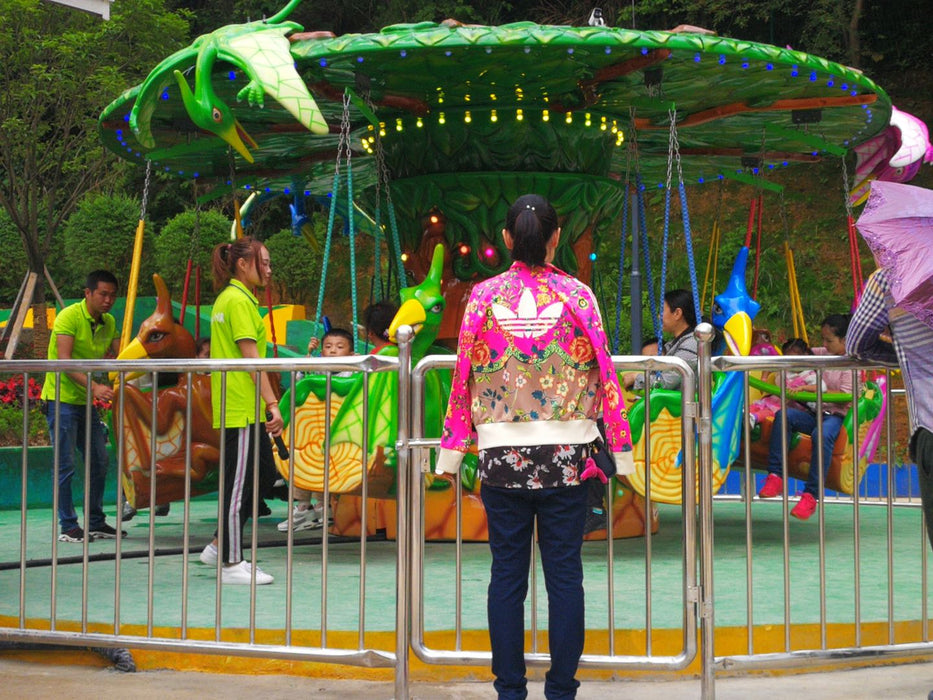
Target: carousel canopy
{"x": 455, "y": 99}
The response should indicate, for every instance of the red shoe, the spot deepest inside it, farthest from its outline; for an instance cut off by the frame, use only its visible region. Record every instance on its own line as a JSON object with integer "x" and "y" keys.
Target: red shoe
{"x": 773, "y": 486}
{"x": 805, "y": 507}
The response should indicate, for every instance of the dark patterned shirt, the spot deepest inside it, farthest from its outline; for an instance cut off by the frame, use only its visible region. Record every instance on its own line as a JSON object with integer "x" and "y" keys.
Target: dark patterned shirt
{"x": 533, "y": 467}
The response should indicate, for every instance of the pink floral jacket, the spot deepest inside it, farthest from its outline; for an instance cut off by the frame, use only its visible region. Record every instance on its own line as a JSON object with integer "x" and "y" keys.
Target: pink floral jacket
{"x": 533, "y": 368}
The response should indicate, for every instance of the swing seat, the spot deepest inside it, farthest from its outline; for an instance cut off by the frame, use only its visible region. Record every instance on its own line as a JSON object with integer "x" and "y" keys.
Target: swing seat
{"x": 839, "y": 476}
{"x": 666, "y": 477}
{"x": 159, "y": 337}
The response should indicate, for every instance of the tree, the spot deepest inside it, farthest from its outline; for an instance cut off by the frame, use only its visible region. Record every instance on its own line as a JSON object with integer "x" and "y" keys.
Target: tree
{"x": 189, "y": 235}
{"x": 100, "y": 235}
{"x": 295, "y": 267}
{"x": 60, "y": 68}
{"x": 14, "y": 260}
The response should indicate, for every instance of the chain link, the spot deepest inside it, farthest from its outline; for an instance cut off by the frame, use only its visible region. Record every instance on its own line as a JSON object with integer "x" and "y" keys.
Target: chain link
{"x": 845, "y": 188}
{"x": 145, "y": 203}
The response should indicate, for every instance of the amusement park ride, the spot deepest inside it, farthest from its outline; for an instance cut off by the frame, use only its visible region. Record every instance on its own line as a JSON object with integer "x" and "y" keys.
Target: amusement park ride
{"x": 435, "y": 129}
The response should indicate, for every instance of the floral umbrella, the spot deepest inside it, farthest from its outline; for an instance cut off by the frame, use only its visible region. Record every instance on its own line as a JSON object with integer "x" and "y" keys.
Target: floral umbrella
{"x": 897, "y": 224}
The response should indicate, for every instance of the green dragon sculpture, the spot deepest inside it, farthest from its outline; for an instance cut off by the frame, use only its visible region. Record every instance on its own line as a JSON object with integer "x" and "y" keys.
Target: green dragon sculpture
{"x": 261, "y": 50}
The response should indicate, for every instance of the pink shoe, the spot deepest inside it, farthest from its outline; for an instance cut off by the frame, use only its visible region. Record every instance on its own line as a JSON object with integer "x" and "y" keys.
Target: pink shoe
{"x": 805, "y": 507}
{"x": 773, "y": 486}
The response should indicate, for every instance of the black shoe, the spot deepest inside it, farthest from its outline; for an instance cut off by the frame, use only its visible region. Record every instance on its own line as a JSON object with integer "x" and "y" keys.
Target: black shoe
{"x": 105, "y": 532}
{"x": 163, "y": 509}
{"x": 595, "y": 520}
{"x": 264, "y": 508}
{"x": 129, "y": 512}
{"x": 75, "y": 534}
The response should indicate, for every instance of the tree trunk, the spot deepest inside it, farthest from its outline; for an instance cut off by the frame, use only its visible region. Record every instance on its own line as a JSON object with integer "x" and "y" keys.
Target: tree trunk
{"x": 855, "y": 46}
{"x": 40, "y": 327}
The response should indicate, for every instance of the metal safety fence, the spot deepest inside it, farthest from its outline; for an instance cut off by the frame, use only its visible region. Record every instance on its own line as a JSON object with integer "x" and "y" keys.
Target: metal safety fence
{"x": 150, "y": 589}
{"x": 853, "y": 583}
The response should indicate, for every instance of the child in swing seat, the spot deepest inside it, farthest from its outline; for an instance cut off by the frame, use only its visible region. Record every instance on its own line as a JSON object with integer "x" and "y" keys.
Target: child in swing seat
{"x": 768, "y": 405}
{"x": 806, "y": 421}
{"x": 308, "y": 510}
{"x": 796, "y": 381}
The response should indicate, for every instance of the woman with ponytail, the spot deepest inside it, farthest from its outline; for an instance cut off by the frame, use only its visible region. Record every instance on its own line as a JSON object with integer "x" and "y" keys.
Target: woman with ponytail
{"x": 238, "y": 331}
{"x": 533, "y": 373}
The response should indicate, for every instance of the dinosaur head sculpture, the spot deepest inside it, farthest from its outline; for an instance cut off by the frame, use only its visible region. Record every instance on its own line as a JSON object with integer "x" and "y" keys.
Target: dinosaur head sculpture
{"x": 212, "y": 114}
{"x": 734, "y": 309}
{"x": 160, "y": 336}
{"x": 422, "y": 307}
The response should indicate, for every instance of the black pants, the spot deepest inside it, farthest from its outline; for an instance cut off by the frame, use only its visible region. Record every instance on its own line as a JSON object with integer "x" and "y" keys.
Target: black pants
{"x": 239, "y": 482}
{"x": 921, "y": 451}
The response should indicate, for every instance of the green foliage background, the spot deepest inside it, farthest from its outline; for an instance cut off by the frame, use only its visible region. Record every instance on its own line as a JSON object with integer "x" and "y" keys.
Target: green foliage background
{"x": 190, "y": 234}
{"x": 100, "y": 235}
{"x": 62, "y": 67}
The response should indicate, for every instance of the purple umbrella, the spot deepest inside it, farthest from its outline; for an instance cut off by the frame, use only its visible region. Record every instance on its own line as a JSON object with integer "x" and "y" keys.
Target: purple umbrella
{"x": 897, "y": 224}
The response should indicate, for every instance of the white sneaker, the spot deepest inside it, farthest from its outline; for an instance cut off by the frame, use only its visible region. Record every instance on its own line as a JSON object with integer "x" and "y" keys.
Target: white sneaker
{"x": 241, "y": 574}
{"x": 305, "y": 519}
{"x": 209, "y": 554}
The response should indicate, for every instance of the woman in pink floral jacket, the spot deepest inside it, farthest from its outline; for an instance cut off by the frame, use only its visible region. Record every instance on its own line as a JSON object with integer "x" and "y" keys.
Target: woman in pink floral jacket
{"x": 533, "y": 373}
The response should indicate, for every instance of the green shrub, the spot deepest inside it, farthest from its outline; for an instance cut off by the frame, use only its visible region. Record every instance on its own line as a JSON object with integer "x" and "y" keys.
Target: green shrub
{"x": 100, "y": 234}
{"x": 11, "y": 427}
{"x": 189, "y": 235}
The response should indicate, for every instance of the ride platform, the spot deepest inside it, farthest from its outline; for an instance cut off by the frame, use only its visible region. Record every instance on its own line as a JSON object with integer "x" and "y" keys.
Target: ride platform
{"x": 325, "y": 610}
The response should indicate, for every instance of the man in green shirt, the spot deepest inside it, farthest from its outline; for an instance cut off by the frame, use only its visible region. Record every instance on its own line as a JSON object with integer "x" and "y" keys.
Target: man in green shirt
{"x": 82, "y": 331}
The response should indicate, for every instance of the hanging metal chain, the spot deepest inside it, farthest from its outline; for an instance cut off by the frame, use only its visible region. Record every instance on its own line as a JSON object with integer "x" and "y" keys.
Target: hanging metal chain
{"x": 674, "y": 156}
{"x": 845, "y": 188}
{"x": 195, "y": 243}
{"x": 382, "y": 176}
{"x": 343, "y": 142}
{"x": 379, "y": 234}
{"x": 785, "y": 226}
{"x": 145, "y": 203}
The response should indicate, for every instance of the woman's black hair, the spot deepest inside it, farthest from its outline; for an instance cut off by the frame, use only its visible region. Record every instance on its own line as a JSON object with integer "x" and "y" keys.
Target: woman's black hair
{"x": 378, "y": 317}
{"x": 796, "y": 346}
{"x": 683, "y": 299}
{"x": 531, "y": 221}
{"x": 838, "y": 323}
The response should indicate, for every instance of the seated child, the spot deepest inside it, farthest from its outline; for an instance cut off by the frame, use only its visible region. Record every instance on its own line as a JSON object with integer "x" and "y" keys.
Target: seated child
{"x": 796, "y": 381}
{"x": 770, "y": 404}
{"x": 308, "y": 510}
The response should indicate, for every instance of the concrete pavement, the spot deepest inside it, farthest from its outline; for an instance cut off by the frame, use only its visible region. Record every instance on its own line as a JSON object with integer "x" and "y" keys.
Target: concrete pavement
{"x": 37, "y": 681}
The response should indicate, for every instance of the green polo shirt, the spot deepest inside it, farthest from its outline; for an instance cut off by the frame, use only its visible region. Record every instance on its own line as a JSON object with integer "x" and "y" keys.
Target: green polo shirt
{"x": 92, "y": 340}
{"x": 235, "y": 316}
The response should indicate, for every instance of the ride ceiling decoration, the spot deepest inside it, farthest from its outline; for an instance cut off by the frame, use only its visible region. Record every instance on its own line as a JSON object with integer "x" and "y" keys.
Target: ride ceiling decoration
{"x": 518, "y": 98}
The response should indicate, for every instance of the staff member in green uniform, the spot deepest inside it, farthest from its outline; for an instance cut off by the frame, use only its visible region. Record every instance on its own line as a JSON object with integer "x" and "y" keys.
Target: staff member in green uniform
{"x": 237, "y": 330}
{"x": 82, "y": 331}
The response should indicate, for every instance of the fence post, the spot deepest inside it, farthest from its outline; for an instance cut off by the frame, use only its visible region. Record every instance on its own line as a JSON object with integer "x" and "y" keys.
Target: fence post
{"x": 403, "y": 501}
{"x": 704, "y": 334}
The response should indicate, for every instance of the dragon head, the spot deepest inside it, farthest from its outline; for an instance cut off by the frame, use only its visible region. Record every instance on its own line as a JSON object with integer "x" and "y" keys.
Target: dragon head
{"x": 160, "y": 336}
{"x": 212, "y": 114}
{"x": 422, "y": 307}
{"x": 734, "y": 309}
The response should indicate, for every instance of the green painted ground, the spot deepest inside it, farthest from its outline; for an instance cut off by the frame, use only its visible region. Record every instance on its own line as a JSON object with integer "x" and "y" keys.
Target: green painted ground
{"x": 172, "y": 605}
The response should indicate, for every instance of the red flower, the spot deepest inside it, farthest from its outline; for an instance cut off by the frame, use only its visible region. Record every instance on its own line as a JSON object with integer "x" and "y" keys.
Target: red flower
{"x": 481, "y": 354}
{"x": 581, "y": 349}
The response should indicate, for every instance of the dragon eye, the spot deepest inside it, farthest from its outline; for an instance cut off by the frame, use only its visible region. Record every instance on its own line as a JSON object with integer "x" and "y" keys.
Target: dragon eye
{"x": 437, "y": 308}
{"x": 155, "y": 337}
{"x": 216, "y": 115}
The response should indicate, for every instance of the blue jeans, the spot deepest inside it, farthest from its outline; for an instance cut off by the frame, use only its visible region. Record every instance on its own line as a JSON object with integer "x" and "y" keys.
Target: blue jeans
{"x": 799, "y": 421}
{"x": 511, "y": 514}
{"x": 70, "y": 436}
